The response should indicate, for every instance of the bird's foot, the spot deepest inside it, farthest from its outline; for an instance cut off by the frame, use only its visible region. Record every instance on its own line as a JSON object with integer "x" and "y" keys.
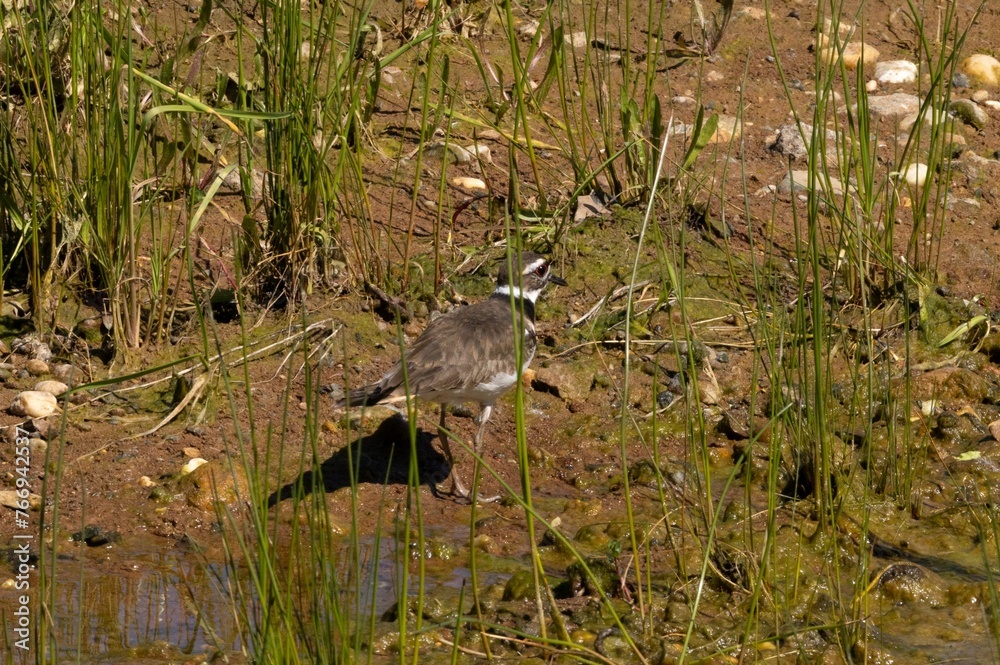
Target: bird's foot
{"x": 460, "y": 491}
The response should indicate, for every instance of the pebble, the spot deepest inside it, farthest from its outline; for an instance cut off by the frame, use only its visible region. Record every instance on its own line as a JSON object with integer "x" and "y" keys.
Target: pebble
{"x": 191, "y": 451}
{"x": 146, "y": 481}
{"x": 192, "y": 464}
{"x": 728, "y": 129}
{"x": 898, "y": 104}
{"x": 959, "y": 80}
{"x": 755, "y": 13}
{"x": 801, "y": 178}
{"x": 982, "y": 68}
{"x": 11, "y": 499}
{"x": 482, "y": 152}
{"x": 34, "y": 404}
{"x": 980, "y": 96}
{"x": 915, "y": 175}
{"x": 970, "y": 113}
{"x": 855, "y": 54}
{"x": 577, "y": 39}
{"x": 466, "y": 184}
{"x": 561, "y": 382}
{"x": 871, "y": 86}
{"x": 38, "y": 447}
{"x": 789, "y": 141}
{"x": 896, "y": 71}
{"x": 992, "y": 104}
{"x": 31, "y": 347}
{"x": 37, "y": 367}
{"x": 56, "y": 388}
{"x": 844, "y": 29}
{"x": 65, "y": 372}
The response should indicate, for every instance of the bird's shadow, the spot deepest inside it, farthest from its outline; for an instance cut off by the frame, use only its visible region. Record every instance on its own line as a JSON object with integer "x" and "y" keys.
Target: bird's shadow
{"x": 382, "y": 457}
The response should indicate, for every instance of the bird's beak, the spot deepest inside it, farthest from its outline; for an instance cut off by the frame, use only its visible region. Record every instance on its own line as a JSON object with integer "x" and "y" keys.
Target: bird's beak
{"x": 556, "y": 279}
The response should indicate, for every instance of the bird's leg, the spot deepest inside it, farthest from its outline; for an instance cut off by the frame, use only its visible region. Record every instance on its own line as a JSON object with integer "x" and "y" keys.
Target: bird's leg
{"x": 457, "y": 488}
{"x": 484, "y": 416}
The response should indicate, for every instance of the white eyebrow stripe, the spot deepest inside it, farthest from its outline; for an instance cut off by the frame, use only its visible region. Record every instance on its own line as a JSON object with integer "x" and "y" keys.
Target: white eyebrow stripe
{"x": 534, "y": 265}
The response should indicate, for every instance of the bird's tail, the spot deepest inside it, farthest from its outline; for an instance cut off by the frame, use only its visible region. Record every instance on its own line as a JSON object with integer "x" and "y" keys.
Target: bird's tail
{"x": 366, "y": 396}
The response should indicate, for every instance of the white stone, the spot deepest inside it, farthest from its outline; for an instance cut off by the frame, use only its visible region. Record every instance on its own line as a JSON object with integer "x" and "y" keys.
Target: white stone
{"x": 192, "y": 464}
{"x": 34, "y": 404}
{"x": 915, "y": 175}
{"x": 895, "y": 71}
{"x": 56, "y": 388}
{"x": 468, "y": 184}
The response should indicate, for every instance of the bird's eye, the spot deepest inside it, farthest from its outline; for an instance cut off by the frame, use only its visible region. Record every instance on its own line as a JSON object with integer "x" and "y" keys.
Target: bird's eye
{"x": 542, "y": 269}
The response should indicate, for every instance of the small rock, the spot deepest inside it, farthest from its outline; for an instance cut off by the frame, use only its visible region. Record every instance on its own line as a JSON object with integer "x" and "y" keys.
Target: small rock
{"x": 470, "y": 185}
{"x": 708, "y": 389}
{"x": 970, "y": 113}
{"x": 34, "y": 404}
{"x": 985, "y": 69}
{"x": 57, "y": 388}
{"x": 191, "y": 451}
{"x": 443, "y": 152}
{"x": 31, "y": 347}
{"x": 10, "y": 499}
{"x": 95, "y": 536}
{"x": 844, "y": 29}
{"x": 482, "y": 152}
{"x": 728, "y": 129}
{"x": 210, "y": 482}
{"x": 66, "y": 373}
{"x": 42, "y": 352}
{"x": 915, "y": 175}
{"x": 871, "y": 86}
{"x": 714, "y": 76}
{"x": 590, "y": 205}
{"x": 47, "y": 429}
{"x": 980, "y": 96}
{"x": 755, "y": 13}
{"x": 682, "y": 100}
{"x": 146, "y": 481}
{"x": 896, "y": 105}
{"x": 959, "y": 80}
{"x": 992, "y": 104}
{"x": 38, "y": 447}
{"x": 789, "y": 142}
{"x": 801, "y": 179}
{"x": 192, "y": 464}
{"x": 856, "y": 54}
{"x": 577, "y": 39}
{"x": 4, "y": 349}
{"x": 896, "y": 71}
{"x": 37, "y": 367}
{"x": 664, "y": 398}
{"x": 561, "y": 382}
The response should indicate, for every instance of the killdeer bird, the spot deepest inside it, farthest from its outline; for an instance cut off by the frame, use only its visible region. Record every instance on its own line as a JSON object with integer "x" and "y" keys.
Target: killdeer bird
{"x": 469, "y": 354}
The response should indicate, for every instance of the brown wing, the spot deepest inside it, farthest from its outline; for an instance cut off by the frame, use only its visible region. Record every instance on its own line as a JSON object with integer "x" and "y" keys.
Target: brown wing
{"x": 461, "y": 349}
